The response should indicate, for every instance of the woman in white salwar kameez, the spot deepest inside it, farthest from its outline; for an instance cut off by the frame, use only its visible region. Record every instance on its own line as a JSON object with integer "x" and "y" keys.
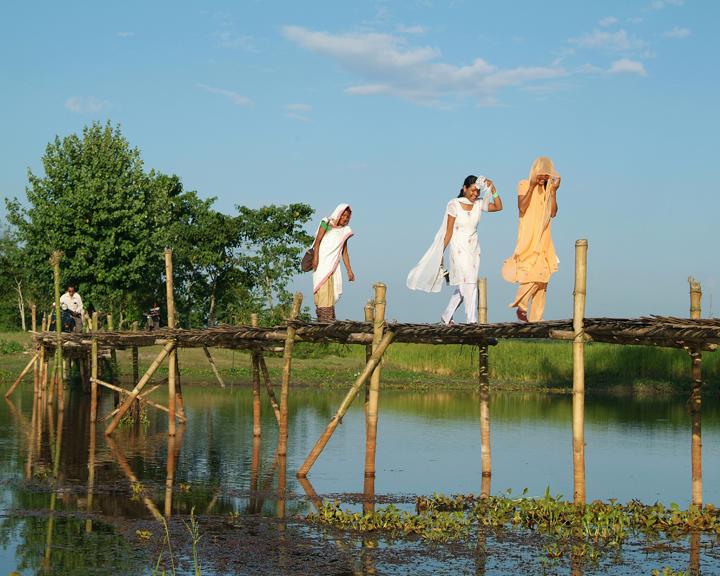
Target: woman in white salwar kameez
{"x": 459, "y": 232}
{"x": 331, "y": 245}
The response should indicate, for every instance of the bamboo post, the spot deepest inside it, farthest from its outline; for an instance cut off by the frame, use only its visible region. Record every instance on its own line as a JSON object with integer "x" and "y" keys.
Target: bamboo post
{"x": 94, "y": 370}
{"x": 255, "y": 361}
{"x": 578, "y": 412}
{"x": 27, "y": 368}
{"x": 41, "y": 363}
{"x": 113, "y": 362}
{"x": 695, "y": 403}
{"x": 484, "y": 389}
{"x": 172, "y": 358}
{"x": 345, "y": 404}
{"x": 287, "y": 363}
{"x": 214, "y": 367}
{"x": 55, "y": 261}
{"x": 167, "y": 349}
{"x": 369, "y": 311}
{"x": 36, "y": 367}
{"x": 268, "y": 386}
{"x": 371, "y": 414}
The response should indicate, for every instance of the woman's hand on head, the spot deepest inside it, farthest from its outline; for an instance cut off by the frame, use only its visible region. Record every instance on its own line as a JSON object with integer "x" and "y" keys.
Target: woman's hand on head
{"x": 554, "y": 183}
{"x": 490, "y": 185}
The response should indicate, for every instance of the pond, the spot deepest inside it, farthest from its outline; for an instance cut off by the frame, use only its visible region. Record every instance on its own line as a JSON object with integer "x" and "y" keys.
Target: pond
{"x": 58, "y": 518}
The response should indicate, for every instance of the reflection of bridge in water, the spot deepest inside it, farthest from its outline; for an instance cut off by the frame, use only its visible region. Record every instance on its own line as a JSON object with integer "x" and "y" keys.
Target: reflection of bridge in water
{"x": 693, "y": 335}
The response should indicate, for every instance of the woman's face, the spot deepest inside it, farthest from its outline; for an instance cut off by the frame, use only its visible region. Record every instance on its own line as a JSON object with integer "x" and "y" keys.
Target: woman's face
{"x": 344, "y": 219}
{"x": 471, "y": 192}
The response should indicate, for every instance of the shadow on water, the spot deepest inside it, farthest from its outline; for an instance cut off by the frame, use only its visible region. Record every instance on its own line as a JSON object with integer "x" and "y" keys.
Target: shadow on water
{"x": 76, "y": 502}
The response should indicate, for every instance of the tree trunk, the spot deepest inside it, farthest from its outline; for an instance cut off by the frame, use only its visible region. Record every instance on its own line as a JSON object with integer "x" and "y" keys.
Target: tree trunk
{"x": 21, "y": 304}
{"x": 213, "y": 305}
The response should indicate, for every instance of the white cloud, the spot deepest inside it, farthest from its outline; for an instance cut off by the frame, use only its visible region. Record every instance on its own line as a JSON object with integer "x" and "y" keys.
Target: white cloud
{"x": 125, "y": 34}
{"x": 678, "y": 33}
{"x": 625, "y": 66}
{"x": 234, "y": 97}
{"x": 86, "y": 105}
{"x": 608, "y": 21}
{"x": 387, "y": 64}
{"x": 662, "y": 4}
{"x": 604, "y": 40}
{"x": 298, "y": 107}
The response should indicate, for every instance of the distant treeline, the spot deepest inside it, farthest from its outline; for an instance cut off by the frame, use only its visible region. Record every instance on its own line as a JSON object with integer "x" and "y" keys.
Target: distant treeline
{"x": 112, "y": 219}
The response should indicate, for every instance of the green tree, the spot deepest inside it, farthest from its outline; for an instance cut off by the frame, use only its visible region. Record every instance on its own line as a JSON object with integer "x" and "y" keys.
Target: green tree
{"x": 273, "y": 240}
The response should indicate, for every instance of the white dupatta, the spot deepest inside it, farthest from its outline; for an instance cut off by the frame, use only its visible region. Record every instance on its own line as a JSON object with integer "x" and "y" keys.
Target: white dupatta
{"x": 330, "y": 252}
{"x": 427, "y": 275}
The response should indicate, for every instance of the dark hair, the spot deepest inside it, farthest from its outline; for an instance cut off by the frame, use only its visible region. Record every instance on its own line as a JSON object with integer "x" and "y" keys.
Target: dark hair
{"x": 70, "y": 285}
{"x": 469, "y": 181}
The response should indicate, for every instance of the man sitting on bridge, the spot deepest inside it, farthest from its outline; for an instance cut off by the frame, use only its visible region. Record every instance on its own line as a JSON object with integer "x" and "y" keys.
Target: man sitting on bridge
{"x": 74, "y": 304}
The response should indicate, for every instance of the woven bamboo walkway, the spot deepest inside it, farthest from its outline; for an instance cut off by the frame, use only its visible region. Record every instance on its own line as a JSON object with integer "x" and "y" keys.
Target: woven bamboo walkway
{"x": 663, "y": 331}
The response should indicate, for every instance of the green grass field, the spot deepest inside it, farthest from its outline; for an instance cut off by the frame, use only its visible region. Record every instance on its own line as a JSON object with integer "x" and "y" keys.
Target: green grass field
{"x": 513, "y": 364}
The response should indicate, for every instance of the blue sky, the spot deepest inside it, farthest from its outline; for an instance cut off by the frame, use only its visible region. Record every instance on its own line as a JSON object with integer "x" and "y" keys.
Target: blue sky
{"x": 388, "y": 106}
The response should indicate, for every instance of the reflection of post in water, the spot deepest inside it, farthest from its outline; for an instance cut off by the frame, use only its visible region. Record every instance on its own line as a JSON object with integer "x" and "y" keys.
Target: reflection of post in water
{"x": 480, "y": 552}
{"x": 173, "y": 454}
{"x": 576, "y": 565}
{"x": 56, "y": 453}
{"x": 255, "y": 469}
{"x": 340, "y": 544}
{"x": 695, "y": 554}
{"x": 91, "y": 473}
{"x": 130, "y": 475}
{"x": 484, "y": 388}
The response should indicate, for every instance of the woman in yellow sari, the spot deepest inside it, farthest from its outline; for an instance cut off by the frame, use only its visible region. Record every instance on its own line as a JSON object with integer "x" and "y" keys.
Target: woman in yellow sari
{"x": 534, "y": 259}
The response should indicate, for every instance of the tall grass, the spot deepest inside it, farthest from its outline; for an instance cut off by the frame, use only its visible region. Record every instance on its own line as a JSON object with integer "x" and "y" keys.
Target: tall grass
{"x": 547, "y": 363}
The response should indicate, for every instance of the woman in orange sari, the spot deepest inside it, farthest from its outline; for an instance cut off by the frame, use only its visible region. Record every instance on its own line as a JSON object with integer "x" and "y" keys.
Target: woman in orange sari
{"x": 534, "y": 259}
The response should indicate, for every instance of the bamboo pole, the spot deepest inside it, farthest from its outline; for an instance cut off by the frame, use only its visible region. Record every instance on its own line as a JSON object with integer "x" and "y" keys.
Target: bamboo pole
{"x": 172, "y": 359}
{"x": 94, "y": 370}
{"x": 214, "y": 366}
{"x": 345, "y": 404}
{"x": 36, "y": 367}
{"x": 167, "y": 349}
{"x": 578, "y": 427}
{"x": 371, "y": 414}
{"x": 287, "y": 364}
{"x": 484, "y": 389}
{"x": 22, "y": 375}
{"x": 113, "y": 361}
{"x": 369, "y": 311}
{"x": 268, "y": 386}
{"x": 138, "y": 399}
{"x": 255, "y": 362}
{"x": 695, "y": 402}
{"x": 42, "y": 363}
{"x": 55, "y": 262}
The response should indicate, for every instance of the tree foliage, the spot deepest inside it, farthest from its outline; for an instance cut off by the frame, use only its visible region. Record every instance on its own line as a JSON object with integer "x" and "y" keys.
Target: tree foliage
{"x": 112, "y": 219}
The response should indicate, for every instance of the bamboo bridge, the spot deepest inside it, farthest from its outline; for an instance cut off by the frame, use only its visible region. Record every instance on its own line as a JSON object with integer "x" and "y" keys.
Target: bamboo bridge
{"x": 693, "y": 335}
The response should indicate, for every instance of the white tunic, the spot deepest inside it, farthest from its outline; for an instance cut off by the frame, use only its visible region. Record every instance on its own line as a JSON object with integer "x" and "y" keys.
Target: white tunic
{"x": 464, "y": 249}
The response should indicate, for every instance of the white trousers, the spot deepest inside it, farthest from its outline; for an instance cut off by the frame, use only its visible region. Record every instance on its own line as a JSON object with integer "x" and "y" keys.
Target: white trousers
{"x": 463, "y": 293}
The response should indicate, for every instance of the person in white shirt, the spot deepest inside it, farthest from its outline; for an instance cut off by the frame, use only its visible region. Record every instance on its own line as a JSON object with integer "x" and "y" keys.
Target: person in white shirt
{"x": 73, "y": 302}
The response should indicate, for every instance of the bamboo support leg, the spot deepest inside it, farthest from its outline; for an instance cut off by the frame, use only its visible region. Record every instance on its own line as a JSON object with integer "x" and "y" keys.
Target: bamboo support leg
{"x": 345, "y": 404}
{"x": 255, "y": 362}
{"x": 696, "y": 399}
{"x": 140, "y": 397}
{"x": 167, "y": 349}
{"x": 214, "y": 367}
{"x": 287, "y": 363}
{"x": 24, "y": 373}
{"x": 369, "y": 311}
{"x": 57, "y": 371}
{"x": 578, "y": 428}
{"x": 371, "y": 413}
{"x": 94, "y": 370}
{"x": 268, "y": 386}
{"x": 172, "y": 358}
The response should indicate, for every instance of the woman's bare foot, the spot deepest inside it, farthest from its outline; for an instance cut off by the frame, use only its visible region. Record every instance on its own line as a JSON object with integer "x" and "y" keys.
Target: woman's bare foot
{"x": 522, "y": 315}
